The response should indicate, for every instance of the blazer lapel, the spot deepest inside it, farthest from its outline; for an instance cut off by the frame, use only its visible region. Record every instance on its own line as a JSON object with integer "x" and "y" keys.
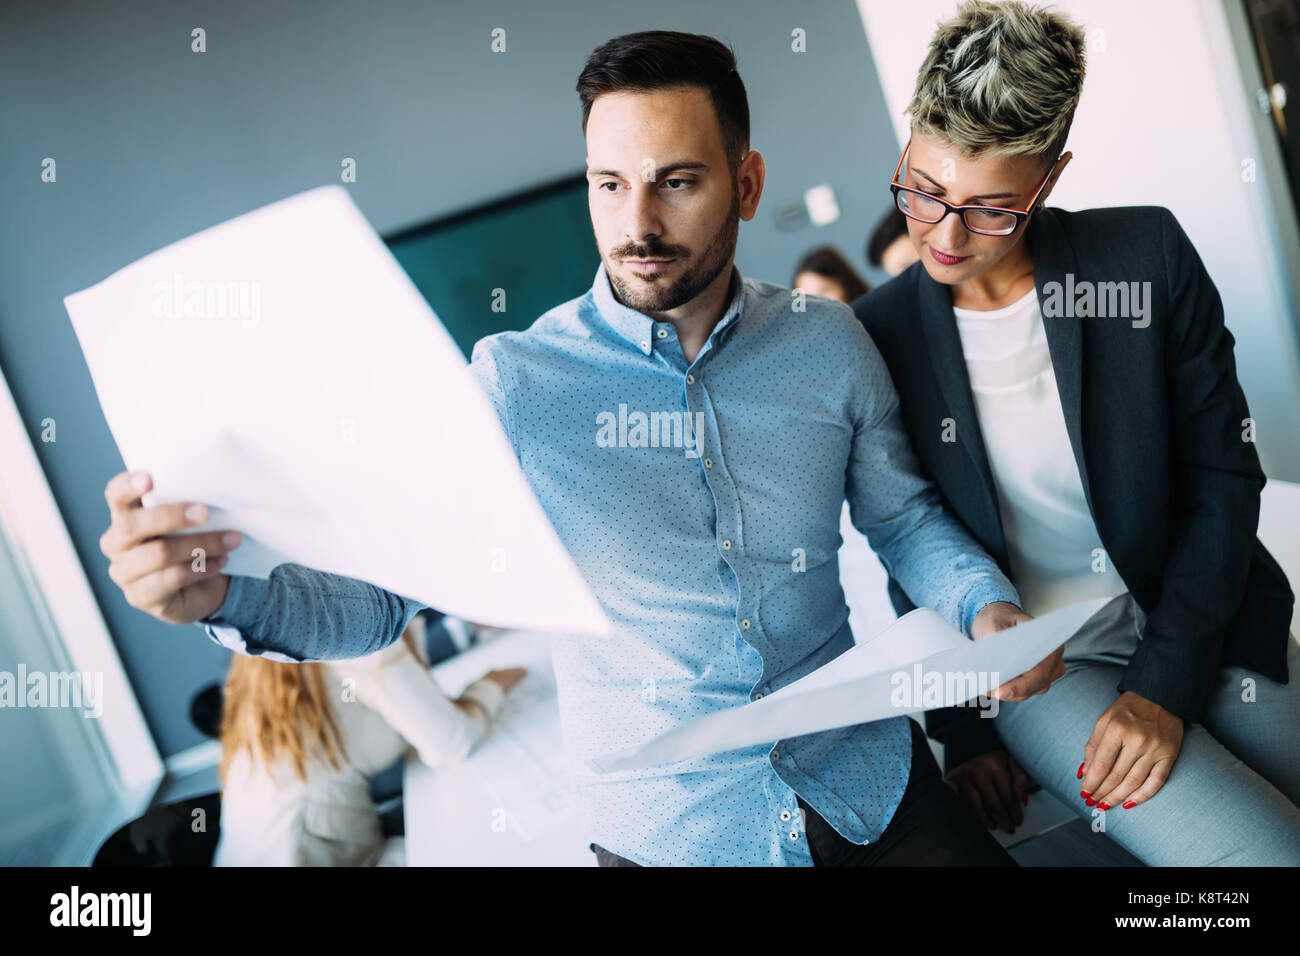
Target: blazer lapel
{"x": 944, "y": 346}
{"x": 1054, "y": 263}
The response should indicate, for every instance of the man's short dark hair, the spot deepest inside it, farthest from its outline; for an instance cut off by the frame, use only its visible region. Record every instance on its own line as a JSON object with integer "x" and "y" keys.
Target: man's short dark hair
{"x": 659, "y": 59}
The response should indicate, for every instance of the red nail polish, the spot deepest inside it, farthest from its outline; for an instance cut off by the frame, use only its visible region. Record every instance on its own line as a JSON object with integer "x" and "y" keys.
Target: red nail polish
{"x": 1103, "y": 806}
{"x": 1085, "y": 794}
{"x": 1024, "y": 798}
{"x": 1080, "y": 774}
{"x": 1090, "y": 802}
{"x": 1129, "y": 805}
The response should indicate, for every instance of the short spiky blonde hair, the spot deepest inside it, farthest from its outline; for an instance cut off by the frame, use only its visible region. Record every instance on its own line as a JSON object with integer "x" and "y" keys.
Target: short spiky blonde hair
{"x": 1002, "y": 78}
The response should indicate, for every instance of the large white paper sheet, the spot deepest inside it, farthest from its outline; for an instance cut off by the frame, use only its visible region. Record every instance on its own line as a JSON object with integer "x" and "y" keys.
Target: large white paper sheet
{"x": 918, "y": 663}
{"x": 283, "y": 369}
{"x": 519, "y": 762}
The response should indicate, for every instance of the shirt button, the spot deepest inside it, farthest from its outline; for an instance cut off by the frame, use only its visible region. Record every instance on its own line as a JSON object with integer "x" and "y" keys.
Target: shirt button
{"x": 645, "y": 346}
{"x": 758, "y": 695}
{"x": 745, "y": 624}
{"x": 708, "y": 463}
{"x": 726, "y": 544}
{"x": 794, "y": 834}
{"x": 662, "y": 333}
{"x": 776, "y": 755}
{"x": 785, "y": 814}
{"x": 690, "y": 379}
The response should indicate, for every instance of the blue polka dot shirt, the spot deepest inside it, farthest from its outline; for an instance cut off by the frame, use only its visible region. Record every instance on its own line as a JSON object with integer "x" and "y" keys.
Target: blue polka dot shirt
{"x": 701, "y": 502}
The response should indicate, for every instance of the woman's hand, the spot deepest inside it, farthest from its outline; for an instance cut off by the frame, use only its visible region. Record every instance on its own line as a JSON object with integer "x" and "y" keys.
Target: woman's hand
{"x": 504, "y": 678}
{"x": 507, "y": 678}
{"x": 471, "y": 708}
{"x": 1131, "y": 751}
{"x": 995, "y": 787}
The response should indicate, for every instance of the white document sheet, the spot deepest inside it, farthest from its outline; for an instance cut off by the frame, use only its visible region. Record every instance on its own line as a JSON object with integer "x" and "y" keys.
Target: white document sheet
{"x": 918, "y": 663}
{"x": 519, "y": 761}
{"x": 283, "y": 369}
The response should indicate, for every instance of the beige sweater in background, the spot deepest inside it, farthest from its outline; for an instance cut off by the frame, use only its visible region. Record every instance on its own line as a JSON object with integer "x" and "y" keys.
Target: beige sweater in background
{"x": 391, "y": 704}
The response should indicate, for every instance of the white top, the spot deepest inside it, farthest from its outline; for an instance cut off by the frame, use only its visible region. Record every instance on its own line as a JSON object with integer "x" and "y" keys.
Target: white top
{"x": 383, "y": 704}
{"x": 1055, "y": 552}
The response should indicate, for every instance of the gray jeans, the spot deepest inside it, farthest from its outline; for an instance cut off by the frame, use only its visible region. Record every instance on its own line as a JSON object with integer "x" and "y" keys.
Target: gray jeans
{"x": 1233, "y": 796}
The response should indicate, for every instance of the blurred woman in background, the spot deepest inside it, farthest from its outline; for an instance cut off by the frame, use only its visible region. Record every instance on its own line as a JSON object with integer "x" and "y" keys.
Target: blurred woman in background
{"x": 825, "y": 272}
{"x": 890, "y": 248}
{"x": 301, "y": 742}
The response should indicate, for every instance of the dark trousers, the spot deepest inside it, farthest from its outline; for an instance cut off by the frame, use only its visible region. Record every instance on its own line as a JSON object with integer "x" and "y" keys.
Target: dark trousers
{"x": 931, "y": 827}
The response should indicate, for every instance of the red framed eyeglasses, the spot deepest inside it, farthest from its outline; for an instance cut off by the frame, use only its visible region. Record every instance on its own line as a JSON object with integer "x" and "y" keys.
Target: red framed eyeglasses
{"x": 984, "y": 220}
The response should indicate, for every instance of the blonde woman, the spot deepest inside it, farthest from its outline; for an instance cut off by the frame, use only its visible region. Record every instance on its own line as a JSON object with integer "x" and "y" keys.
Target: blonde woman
{"x": 301, "y": 742}
{"x": 1093, "y": 444}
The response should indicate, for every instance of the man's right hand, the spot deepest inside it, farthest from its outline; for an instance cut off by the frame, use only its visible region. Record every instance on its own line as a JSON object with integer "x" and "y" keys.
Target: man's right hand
{"x": 155, "y": 573}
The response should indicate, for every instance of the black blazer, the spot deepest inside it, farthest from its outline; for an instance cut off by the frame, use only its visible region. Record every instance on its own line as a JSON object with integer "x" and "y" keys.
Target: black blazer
{"x": 1154, "y": 415}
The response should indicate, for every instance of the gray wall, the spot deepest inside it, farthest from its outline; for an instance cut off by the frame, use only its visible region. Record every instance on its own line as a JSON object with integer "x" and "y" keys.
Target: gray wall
{"x": 154, "y": 142}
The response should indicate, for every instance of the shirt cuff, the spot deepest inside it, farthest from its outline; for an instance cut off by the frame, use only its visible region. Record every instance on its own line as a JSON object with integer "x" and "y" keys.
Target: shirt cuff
{"x": 487, "y": 694}
{"x": 233, "y": 639}
{"x": 237, "y": 593}
{"x": 995, "y": 588}
{"x": 222, "y": 626}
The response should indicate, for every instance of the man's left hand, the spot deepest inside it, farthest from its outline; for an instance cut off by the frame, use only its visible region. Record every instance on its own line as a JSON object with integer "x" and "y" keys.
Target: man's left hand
{"x": 1000, "y": 615}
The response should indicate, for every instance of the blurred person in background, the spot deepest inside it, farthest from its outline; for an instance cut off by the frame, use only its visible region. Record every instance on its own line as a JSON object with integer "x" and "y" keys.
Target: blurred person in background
{"x": 300, "y": 743}
{"x": 825, "y": 272}
{"x": 890, "y": 248}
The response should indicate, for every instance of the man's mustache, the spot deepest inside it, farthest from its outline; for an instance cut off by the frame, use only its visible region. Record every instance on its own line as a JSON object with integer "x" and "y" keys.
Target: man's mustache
{"x": 649, "y": 251}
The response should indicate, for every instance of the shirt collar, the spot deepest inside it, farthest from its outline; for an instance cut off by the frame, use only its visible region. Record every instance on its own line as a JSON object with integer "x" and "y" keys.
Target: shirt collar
{"x": 639, "y": 329}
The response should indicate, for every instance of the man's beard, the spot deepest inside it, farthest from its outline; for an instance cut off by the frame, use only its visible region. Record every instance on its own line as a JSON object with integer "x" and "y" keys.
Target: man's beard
{"x": 660, "y": 294}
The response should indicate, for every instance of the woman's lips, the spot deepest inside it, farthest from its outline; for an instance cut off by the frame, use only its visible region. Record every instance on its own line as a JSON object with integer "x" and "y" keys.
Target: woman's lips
{"x": 944, "y": 259}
